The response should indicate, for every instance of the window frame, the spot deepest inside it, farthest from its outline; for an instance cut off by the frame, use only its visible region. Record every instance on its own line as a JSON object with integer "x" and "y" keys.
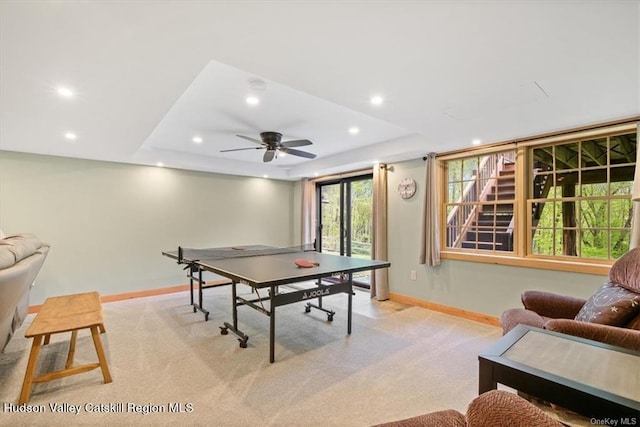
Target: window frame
{"x": 487, "y": 165}
{"x": 522, "y": 255}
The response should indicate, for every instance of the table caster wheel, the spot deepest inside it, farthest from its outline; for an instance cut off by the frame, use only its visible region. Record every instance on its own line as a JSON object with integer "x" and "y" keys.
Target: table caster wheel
{"x": 223, "y": 331}
{"x": 307, "y": 309}
{"x": 243, "y": 344}
{"x": 330, "y": 317}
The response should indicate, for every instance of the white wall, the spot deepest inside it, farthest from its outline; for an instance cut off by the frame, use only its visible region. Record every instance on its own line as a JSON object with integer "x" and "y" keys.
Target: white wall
{"x": 478, "y": 287}
{"x": 108, "y": 223}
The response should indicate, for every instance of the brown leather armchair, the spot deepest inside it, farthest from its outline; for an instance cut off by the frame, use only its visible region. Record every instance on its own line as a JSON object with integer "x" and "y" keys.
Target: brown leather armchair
{"x": 611, "y": 315}
{"x": 496, "y": 408}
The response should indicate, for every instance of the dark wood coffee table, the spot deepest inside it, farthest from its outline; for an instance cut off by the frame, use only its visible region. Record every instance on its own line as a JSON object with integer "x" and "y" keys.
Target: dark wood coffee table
{"x": 588, "y": 377}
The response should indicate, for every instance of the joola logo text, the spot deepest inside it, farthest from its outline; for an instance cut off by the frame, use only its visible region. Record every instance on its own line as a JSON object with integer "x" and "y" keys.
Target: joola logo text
{"x": 315, "y": 293}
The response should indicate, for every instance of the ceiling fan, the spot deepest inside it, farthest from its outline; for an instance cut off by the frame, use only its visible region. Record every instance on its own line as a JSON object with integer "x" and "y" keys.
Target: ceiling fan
{"x": 272, "y": 142}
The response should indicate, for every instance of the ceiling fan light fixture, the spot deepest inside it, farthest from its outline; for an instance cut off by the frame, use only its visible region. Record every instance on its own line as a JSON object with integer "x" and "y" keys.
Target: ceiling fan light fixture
{"x": 272, "y": 143}
{"x": 197, "y": 140}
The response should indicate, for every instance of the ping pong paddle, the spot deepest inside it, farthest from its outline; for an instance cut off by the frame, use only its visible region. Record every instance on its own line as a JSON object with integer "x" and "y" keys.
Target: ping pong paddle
{"x": 305, "y": 263}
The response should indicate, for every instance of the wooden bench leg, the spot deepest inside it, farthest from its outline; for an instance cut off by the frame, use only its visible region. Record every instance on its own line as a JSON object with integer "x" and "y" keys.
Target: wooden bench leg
{"x": 72, "y": 349}
{"x": 100, "y": 352}
{"x": 46, "y": 339}
{"x": 31, "y": 367}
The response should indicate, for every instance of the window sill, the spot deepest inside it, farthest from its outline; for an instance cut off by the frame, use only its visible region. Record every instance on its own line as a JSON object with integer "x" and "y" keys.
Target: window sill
{"x": 600, "y": 268}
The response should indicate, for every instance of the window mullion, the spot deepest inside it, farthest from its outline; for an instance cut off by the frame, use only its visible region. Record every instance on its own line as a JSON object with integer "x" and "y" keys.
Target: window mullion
{"x": 522, "y": 232}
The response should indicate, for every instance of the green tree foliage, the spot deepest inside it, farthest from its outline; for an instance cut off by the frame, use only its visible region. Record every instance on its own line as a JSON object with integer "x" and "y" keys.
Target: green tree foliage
{"x": 361, "y": 217}
{"x": 603, "y": 223}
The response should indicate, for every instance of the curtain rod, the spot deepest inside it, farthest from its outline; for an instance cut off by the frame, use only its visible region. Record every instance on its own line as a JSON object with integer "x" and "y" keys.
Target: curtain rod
{"x": 342, "y": 175}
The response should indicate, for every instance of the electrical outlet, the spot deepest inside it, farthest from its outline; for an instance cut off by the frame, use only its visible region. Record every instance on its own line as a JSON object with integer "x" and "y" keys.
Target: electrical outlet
{"x": 414, "y": 275}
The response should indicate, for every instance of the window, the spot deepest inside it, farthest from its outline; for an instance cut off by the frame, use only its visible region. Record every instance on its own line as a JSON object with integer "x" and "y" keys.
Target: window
{"x": 345, "y": 209}
{"x": 551, "y": 201}
{"x": 580, "y": 197}
{"x": 480, "y": 202}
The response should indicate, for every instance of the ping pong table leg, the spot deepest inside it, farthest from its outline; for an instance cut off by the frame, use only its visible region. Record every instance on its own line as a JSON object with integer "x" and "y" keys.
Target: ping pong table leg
{"x": 272, "y": 325}
{"x": 191, "y": 268}
{"x": 224, "y": 330}
{"x": 319, "y": 283}
{"x": 308, "y": 306}
{"x": 200, "y": 283}
{"x": 350, "y": 303}
{"x": 200, "y": 287}
{"x": 192, "y": 278}
{"x": 235, "y": 304}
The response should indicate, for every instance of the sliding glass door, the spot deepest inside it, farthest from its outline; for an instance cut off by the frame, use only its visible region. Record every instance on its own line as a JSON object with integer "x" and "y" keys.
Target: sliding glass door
{"x": 345, "y": 219}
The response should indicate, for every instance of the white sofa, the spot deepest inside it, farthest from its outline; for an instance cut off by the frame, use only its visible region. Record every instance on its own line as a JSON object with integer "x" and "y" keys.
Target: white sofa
{"x": 21, "y": 258}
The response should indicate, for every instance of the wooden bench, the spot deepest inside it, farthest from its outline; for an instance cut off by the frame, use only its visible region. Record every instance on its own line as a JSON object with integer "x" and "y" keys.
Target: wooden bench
{"x": 68, "y": 313}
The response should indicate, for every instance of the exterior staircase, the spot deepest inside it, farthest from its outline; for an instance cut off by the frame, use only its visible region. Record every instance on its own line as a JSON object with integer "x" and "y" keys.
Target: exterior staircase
{"x": 491, "y": 228}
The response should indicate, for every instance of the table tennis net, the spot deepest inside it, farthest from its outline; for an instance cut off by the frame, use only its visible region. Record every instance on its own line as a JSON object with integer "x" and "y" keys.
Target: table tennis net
{"x": 191, "y": 254}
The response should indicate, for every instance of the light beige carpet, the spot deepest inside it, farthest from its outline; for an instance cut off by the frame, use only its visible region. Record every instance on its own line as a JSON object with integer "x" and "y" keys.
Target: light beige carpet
{"x": 398, "y": 362}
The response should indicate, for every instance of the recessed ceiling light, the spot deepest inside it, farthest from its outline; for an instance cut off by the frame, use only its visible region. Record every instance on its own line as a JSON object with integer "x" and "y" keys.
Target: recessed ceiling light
{"x": 265, "y": 176}
{"x": 354, "y": 130}
{"x": 476, "y": 142}
{"x": 160, "y": 164}
{"x": 65, "y": 91}
{"x": 376, "y": 100}
{"x": 71, "y": 136}
{"x": 197, "y": 139}
{"x": 316, "y": 174}
{"x": 252, "y": 100}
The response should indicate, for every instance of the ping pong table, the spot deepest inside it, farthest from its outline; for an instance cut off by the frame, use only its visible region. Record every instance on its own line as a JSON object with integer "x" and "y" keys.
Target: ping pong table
{"x": 264, "y": 267}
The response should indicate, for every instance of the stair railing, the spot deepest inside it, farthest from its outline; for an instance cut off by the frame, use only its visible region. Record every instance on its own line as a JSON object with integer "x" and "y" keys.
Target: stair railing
{"x": 542, "y": 184}
{"x": 465, "y": 212}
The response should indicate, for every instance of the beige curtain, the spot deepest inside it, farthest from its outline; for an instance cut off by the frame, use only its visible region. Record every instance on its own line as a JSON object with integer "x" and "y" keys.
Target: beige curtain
{"x": 380, "y": 277}
{"x": 308, "y": 222}
{"x": 635, "y": 227}
{"x": 430, "y": 237}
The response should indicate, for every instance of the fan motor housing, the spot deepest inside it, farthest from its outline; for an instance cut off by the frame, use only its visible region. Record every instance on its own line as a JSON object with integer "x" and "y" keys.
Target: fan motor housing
{"x": 271, "y": 137}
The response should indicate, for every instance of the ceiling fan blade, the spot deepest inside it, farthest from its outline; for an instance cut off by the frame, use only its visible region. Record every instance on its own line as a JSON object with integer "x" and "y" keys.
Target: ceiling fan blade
{"x": 268, "y": 155}
{"x": 299, "y": 153}
{"x": 240, "y": 149}
{"x": 248, "y": 138}
{"x": 296, "y": 143}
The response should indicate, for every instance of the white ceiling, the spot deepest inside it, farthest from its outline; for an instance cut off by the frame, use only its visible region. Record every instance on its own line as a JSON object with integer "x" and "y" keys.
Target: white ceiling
{"x": 151, "y": 75}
